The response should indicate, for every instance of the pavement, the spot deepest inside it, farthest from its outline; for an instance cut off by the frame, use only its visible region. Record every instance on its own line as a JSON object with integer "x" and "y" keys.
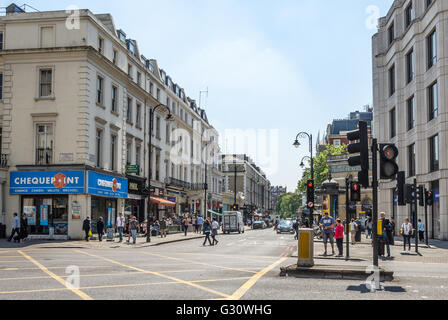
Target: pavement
{"x": 241, "y": 267}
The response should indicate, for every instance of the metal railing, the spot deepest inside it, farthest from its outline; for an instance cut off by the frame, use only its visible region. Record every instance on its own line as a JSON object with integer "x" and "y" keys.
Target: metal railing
{"x": 184, "y": 185}
{"x": 44, "y": 156}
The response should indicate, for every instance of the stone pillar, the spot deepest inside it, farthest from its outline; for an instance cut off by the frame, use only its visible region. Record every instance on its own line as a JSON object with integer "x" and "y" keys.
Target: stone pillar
{"x": 443, "y": 190}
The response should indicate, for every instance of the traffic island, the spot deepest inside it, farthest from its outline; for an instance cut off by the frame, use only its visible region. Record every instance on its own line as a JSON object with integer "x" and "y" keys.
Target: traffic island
{"x": 334, "y": 272}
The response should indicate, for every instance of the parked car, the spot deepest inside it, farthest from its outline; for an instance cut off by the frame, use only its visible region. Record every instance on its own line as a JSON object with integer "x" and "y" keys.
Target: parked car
{"x": 259, "y": 225}
{"x": 285, "y": 226}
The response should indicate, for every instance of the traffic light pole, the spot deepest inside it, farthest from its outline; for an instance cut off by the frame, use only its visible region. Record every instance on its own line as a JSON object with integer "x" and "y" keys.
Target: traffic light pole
{"x": 426, "y": 221}
{"x": 375, "y": 201}
{"x": 416, "y": 234}
{"x": 347, "y": 219}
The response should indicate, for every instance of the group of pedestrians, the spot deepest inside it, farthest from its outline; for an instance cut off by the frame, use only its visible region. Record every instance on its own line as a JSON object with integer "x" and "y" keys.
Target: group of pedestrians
{"x": 210, "y": 228}
{"x": 19, "y": 229}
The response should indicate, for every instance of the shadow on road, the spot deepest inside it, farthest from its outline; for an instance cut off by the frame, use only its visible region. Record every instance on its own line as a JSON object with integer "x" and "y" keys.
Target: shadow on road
{"x": 363, "y": 289}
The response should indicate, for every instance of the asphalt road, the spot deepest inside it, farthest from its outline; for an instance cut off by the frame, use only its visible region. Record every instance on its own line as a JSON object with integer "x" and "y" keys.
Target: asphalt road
{"x": 240, "y": 267}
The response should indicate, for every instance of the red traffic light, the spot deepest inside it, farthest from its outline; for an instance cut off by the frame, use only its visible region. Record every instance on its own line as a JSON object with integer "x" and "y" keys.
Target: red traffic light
{"x": 390, "y": 152}
{"x": 310, "y": 185}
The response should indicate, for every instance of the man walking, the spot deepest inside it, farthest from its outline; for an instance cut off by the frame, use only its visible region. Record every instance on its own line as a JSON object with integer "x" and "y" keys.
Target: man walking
{"x": 215, "y": 227}
{"x": 163, "y": 228}
{"x": 133, "y": 228}
{"x": 86, "y": 227}
{"x": 207, "y": 229}
{"x": 387, "y": 234}
{"x": 328, "y": 224}
{"x": 185, "y": 223}
{"x": 100, "y": 229}
{"x": 421, "y": 230}
{"x": 15, "y": 227}
{"x": 121, "y": 222}
{"x": 200, "y": 223}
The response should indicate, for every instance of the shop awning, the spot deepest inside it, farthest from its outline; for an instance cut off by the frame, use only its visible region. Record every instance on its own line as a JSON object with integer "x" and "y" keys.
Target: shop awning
{"x": 215, "y": 213}
{"x": 162, "y": 202}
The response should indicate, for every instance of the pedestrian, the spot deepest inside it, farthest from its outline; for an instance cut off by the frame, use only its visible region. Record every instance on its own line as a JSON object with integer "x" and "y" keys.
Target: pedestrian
{"x": 121, "y": 223}
{"x": 307, "y": 223}
{"x": 157, "y": 227}
{"x": 358, "y": 230}
{"x": 215, "y": 227}
{"x": 353, "y": 230}
{"x": 295, "y": 226}
{"x": 392, "y": 223}
{"x": 200, "y": 223}
{"x": 185, "y": 224}
{"x": 163, "y": 228}
{"x": 86, "y": 228}
{"x": 134, "y": 227}
{"x": 369, "y": 228}
{"x": 407, "y": 231}
{"x": 386, "y": 234}
{"x": 421, "y": 230}
{"x": 339, "y": 236}
{"x": 15, "y": 227}
{"x": 195, "y": 225}
{"x": 100, "y": 229}
{"x": 23, "y": 235}
{"x": 207, "y": 228}
{"x": 328, "y": 224}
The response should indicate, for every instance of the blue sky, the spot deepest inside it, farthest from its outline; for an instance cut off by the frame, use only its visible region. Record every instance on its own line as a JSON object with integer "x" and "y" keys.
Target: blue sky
{"x": 287, "y": 65}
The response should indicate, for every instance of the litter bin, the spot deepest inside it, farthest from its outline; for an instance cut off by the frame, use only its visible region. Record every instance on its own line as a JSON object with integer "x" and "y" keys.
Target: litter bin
{"x": 2, "y": 231}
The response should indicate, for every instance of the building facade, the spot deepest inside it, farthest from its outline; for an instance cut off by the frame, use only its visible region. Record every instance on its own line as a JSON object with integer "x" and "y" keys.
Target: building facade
{"x": 75, "y": 122}
{"x": 410, "y": 58}
{"x": 276, "y": 192}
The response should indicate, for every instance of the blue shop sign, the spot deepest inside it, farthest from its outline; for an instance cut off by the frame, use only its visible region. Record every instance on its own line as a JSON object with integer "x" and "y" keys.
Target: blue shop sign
{"x": 47, "y": 182}
{"x": 107, "y": 186}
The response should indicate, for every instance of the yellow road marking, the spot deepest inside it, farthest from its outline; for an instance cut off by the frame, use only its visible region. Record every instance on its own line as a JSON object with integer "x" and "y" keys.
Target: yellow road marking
{"x": 254, "y": 258}
{"x": 252, "y": 281}
{"x": 189, "y": 283}
{"x": 55, "y": 277}
{"x": 121, "y": 285}
{"x": 12, "y": 261}
{"x": 198, "y": 263}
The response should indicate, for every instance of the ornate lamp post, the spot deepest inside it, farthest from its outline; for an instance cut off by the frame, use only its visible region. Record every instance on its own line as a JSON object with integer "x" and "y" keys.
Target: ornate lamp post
{"x": 297, "y": 144}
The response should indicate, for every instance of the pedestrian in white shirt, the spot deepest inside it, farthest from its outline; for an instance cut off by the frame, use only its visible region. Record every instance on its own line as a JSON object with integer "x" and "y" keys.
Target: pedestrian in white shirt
{"x": 15, "y": 227}
{"x": 121, "y": 224}
{"x": 407, "y": 231}
{"x": 215, "y": 227}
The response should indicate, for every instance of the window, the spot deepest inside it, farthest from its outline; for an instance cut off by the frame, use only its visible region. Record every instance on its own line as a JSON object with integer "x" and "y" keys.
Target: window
{"x": 137, "y": 155}
{"x": 411, "y": 112}
{"x": 129, "y": 110}
{"x": 411, "y": 160}
{"x": 44, "y": 144}
{"x": 151, "y": 88}
{"x": 337, "y": 143}
{"x": 129, "y": 70}
{"x": 391, "y": 33}
{"x": 100, "y": 45}
{"x": 158, "y": 127}
{"x": 428, "y": 3}
{"x": 45, "y": 83}
{"x": 392, "y": 80}
{"x": 433, "y": 101}
{"x": 99, "y": 147}
{"x": 434, "y": 153}
{"x": 158, "y": 95}
{"x": 47, "y": 37}
{"x": 113, "y": 152}
{"x": 138, "y": 120}
{"x": 410, "y": 66}
{"x": 128, "y": 153}
{"x": 1, "y": 86}
{"x": 158, "y": 165}
{"x": 393, "y": 121}
{"x": 139, "y": 78}
{"x": 99, "y": 90}
{"x": 115, "y": 57}
{"x": 114, "y": 98}
{"x": 167, "y": 133}
{"x": 431, "y": 43}
{"x": 409, "y": 16}
{"x": 1, "y": 40}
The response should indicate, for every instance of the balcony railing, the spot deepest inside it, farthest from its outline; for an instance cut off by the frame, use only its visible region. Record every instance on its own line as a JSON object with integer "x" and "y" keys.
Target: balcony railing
{"x": 184, "y": 185}
{"x": 44, "y": 156}
{"x": 4, "y": 161}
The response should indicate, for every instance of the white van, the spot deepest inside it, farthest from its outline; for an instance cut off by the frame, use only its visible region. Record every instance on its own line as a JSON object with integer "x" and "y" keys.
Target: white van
{"x": 232, "y": 221}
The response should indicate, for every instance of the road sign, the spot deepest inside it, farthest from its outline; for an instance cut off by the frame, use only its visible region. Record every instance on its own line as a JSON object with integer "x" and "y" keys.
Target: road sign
{"x": 130, "y": 169}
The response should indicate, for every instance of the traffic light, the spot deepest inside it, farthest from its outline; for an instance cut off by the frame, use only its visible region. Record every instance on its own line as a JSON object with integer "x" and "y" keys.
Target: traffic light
{"x": 235, "y": 207}
{"x": 401, "y": 183}
{"x": 361, "y": 147}
{"x": 429, "y": 198}
{"x": 421, "y": 195}
{"x": 388, "y": 158}
{"x": 310, "y": 194}
{"x": 410, "y": 193}
{"x": 355, "y": 192}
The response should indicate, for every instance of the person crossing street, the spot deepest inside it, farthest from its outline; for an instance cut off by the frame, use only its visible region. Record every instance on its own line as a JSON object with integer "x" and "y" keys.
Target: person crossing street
{"x": 215, "y": 227}
{"x": 15, "y": 227}
{"x": 207, "y": 228}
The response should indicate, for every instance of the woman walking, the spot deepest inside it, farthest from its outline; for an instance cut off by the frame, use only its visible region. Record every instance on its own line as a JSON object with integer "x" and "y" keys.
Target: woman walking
{"x": 207, "y": 228}
{"x": 215, "y": 226}
{"x": 86, "y": 228}
{"x": 339, "y": 236}
{"x": 407, "y": 231}
{"x": 353, "y": 230}
{"x": 100, "y": 229}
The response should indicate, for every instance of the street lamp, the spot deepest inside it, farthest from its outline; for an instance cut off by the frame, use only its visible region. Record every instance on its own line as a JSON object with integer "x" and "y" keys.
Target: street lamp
{"x": 302, "y": 165}
{"x": 205, "y": 178}
{"x": 169, "y": 117}
{"x": 297, "y": 144}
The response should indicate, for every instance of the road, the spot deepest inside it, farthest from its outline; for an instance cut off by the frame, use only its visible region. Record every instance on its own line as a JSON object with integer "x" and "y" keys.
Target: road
{"x": 241, "y": 267}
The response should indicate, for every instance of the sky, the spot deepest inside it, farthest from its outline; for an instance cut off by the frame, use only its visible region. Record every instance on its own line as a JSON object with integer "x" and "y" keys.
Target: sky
{"x": 272, "y": 68}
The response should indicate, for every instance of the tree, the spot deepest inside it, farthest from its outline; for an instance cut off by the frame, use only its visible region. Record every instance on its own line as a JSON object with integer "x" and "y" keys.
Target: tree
{"x": 320, "y": 167}
{"x": 288, "y": 204}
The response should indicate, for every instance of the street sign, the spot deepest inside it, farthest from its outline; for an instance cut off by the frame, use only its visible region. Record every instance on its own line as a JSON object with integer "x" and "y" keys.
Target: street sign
{"x": 130, "y": 169}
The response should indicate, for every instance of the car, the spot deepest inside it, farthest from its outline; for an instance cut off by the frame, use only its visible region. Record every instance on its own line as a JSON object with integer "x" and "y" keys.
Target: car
{"x": 285, "y": 226}
{"x": 259, "y": 225}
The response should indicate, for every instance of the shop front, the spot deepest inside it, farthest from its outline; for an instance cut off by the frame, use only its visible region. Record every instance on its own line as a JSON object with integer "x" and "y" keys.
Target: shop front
{"x": 107, "y": 195}
{"x": 45, "y": 199}
{"x": 135, "y": 204}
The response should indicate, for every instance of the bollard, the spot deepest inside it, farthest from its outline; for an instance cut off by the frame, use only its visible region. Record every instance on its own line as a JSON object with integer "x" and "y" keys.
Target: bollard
{"x": 306, "y": 248}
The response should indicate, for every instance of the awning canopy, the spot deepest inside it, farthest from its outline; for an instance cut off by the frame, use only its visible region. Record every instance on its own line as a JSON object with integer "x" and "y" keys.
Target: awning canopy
{"x": 214, "y": 212}
{"x": 162, "y": 202}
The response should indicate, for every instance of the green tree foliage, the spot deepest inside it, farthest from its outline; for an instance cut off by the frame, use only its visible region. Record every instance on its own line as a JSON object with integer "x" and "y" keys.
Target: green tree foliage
{"x": 320, "y": 167}
{"x": 288, "y": 204}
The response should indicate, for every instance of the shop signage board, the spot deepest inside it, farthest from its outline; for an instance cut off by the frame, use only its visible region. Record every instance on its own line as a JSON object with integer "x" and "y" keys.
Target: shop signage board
{"x": 30, "y": 213}
{"x": 76, "y": 212}
{"x": 107, "y": 186}
{"x": 46, "y": 182}
{"x": 44, "y": 215}
{"x": 132, "y": 169}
